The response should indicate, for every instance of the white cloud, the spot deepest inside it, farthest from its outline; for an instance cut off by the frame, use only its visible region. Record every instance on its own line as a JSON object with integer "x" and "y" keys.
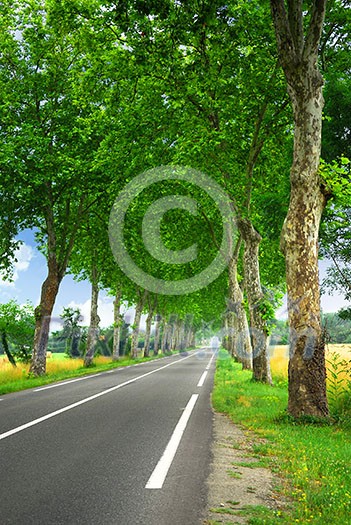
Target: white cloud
{"x": 24, "y": 255}
{"x": 105, "y": 311}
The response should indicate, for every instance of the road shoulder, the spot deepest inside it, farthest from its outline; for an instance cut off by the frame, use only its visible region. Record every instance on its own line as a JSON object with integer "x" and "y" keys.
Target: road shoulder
{"x": 233, "y": 487}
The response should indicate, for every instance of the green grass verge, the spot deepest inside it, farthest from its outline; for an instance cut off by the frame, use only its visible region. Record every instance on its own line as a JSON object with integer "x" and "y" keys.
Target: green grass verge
{"x": 313, "y": 461}
{"x": 28, "y": 381}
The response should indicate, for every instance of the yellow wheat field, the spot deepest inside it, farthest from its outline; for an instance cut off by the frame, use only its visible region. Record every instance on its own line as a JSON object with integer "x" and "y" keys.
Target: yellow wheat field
{"x": 280, "y": 357}
{"x": 55, "y": 363}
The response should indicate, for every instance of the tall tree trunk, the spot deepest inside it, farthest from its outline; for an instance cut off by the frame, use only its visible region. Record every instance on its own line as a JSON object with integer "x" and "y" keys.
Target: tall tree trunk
{"x": 148, "y": 333}
{"x": 298, "y": 55}
{"x": 57, "y": 261}
{"x": 117, "y": 323}
{"x": 192, "y": 338}
{"x": 6, "y": 349}
{"x": 180, "y": 335}
{"x": 225, "y": 336}
{"x": 239, "y": 341}
{"x": 136, "y": 326}
{"x": 93, "y": 331}
{"x": 157, "y": 333}
{"x": 307, "y": 374}
{"x": 164, "y": 339}
{"x": 173, "y": 333}
{"x": 168, "y": 341}
{"x": 43, "y": 313}
{"x": 255, "y": 297}
{"x": 188, "y": 323}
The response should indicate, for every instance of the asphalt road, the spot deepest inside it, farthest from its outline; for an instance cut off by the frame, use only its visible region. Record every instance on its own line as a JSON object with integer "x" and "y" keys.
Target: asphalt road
{"x": 127, "y": 447}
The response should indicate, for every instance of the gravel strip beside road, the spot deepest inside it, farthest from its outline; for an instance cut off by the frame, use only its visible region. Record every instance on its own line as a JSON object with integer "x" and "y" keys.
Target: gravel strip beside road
{"x": 232, "y": 487}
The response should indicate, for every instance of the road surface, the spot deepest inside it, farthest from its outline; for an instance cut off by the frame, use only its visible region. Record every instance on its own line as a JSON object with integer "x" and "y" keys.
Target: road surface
{"x": 124, "y": 447}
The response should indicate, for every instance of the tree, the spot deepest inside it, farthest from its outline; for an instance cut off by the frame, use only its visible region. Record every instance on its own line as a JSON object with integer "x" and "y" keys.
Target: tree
{"x": 17, "y": 330}
{"x": 93, "y": 331}
{"x": 336, "y": 147}
{"x": 336, "y": 246}
{"x": 338, "y": 326}
{"x": 237, "y": 327}
{"x": 258, "y": 321}
{"x": 201, "y": 80}
{"x": 219, "y": 84}
{"x": 71, "y": 331}
{"x": 10, "y": 218}
{"x": 87, "y": 262}
{"x": 157, "y": 333}
{"x": 52, "y": 132}
{"x": 298, "y": 35}
{"x": 142, "y": 296}
{"x": 336, "y": 66}
{"x": 117, "y": 323}
{"x": 151, "y": 307}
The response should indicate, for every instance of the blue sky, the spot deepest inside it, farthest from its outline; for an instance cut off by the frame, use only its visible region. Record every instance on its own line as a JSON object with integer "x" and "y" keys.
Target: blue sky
{"x": 30, "y": 272}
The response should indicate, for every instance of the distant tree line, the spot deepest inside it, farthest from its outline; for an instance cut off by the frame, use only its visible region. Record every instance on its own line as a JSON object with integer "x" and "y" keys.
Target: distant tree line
{"x": 337, "y": 327}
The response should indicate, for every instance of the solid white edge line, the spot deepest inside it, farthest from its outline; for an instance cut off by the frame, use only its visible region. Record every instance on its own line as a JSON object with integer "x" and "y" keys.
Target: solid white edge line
{"x": 209, "y": 364}
{"x": 160, "y": 472}
{"x": 202, "y": 379}
{"x": 86, "y": 400}
{"x": 212, "y": 358}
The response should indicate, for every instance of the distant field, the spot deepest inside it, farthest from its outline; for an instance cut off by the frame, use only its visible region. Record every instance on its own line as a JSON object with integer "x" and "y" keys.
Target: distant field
{"x": 343, "y": 350}
{"x": 280, "y": 356}
{"x": 55, "y": 364}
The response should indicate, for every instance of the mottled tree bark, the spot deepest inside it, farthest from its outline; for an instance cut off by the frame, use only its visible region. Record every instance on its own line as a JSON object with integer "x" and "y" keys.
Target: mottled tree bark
{"x": 148, "y": 333}
{"x": 93, "y": 332}
{"x": 136, "y": 325}
{"x": 57, "y": 261}
{"x": 225, "y": 337}
{"x": 298, "y": 52}
{"x": 157, "y": 333}
{"x": 173, "y": 332}
{"x": 117, "y": 323}
{"x": 188, "y": 330}
{"x": 239, "y": 342}
{"x": 255, "y": 297}
{"x": 192, "y": 343}
{"x": 43, "y": 313}
{"x": 180, "y": 335}
{"x": 164, "y": 339}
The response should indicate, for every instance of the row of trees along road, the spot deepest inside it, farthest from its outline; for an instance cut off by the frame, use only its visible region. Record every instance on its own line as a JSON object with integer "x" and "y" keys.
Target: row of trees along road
{"x": 95, "y": 93}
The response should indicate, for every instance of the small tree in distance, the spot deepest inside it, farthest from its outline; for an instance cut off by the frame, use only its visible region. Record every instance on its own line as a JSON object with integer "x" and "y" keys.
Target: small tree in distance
{"x": 72, "y": 331}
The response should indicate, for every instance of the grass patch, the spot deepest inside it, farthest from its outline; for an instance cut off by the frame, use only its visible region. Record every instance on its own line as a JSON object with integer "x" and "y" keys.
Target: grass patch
{"x": 59, "y": 368}
{"x": 258, "y": 515}
{"x": 313, "y": 459}
{"x": 223, "y": 510}
{"x": 262, "y": 463}
{"x": 235, "y": 475}
{"x": 214, "y": 522}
